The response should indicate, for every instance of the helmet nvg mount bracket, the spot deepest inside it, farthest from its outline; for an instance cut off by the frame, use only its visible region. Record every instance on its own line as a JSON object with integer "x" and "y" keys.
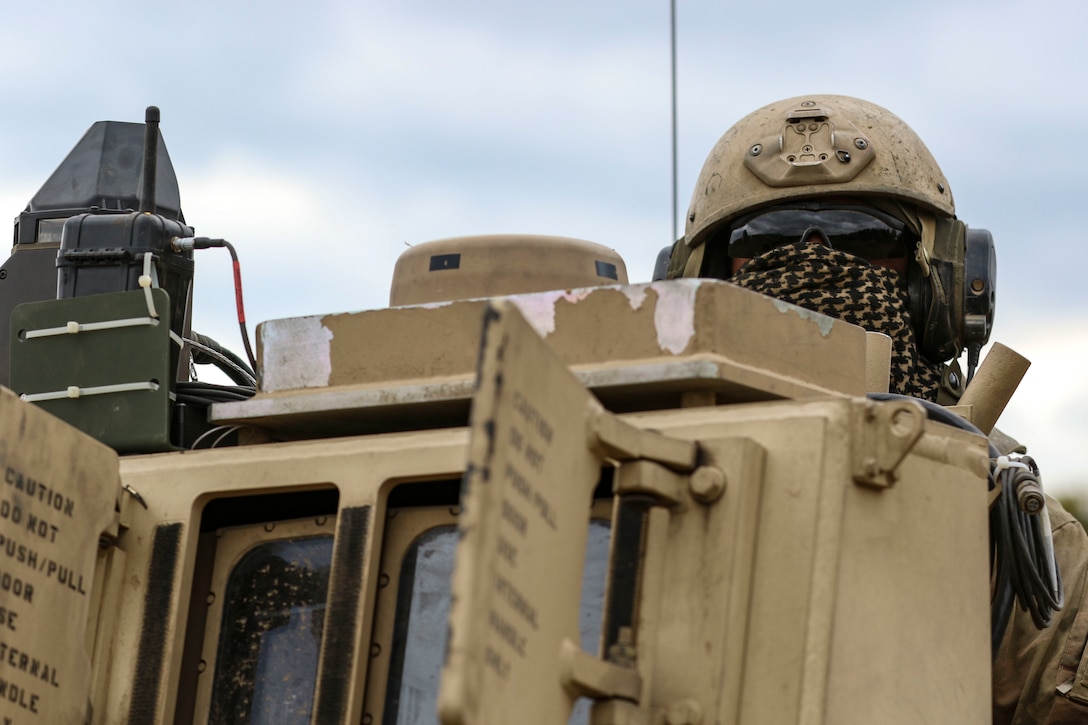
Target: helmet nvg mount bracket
{"x": 810, "y": 150}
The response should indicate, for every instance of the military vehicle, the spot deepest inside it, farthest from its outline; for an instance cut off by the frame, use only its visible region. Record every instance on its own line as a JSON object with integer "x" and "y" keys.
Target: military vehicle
{"x": 526, "y": 492}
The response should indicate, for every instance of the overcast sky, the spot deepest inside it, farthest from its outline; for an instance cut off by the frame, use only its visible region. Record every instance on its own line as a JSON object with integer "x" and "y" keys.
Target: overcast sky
{"x": 322, "y": 138}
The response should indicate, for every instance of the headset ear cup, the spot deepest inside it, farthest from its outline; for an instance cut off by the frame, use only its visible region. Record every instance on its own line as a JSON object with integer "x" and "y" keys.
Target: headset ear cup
{"x": 931, "y": 313}
{"x": 980, "y": 281}
{"x": 921, "y": 299}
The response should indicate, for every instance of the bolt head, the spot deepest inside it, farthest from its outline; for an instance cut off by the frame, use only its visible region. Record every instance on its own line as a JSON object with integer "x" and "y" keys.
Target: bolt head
{"x": 707, "y": 483}
{"x": 684, "y": 712}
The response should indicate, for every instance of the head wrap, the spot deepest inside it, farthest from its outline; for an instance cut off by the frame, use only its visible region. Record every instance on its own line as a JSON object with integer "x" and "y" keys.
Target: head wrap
{"x": 848, "y": 288}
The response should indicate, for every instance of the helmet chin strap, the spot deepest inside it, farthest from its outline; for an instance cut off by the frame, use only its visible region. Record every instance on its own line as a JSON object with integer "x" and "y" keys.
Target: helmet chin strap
{"x": 924, "y": 252}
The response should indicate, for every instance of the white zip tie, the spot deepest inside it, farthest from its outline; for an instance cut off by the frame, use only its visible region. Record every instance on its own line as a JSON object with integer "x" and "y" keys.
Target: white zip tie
{"x": 75, "y": 327}
{"x": 1004, "y": 462}
{"x": 146, "y": 282}
{"x": 74, "y": 391}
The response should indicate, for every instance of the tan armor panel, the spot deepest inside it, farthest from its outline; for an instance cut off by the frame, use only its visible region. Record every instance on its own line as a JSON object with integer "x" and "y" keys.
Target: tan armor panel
{"x": 500, "y": 264}
{"x": 806, "y": 571}
{"x": 761, "y": 541}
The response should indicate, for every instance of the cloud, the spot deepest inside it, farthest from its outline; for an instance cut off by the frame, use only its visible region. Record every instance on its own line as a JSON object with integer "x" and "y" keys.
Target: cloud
{"x": 302, "y": 244}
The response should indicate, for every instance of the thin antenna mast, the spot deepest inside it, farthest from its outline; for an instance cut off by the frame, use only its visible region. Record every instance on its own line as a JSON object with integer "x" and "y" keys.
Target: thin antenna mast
{"x": 672, "y": 45}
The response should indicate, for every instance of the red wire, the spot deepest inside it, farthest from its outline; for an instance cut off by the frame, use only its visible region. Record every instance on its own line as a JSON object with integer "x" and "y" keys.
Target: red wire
{"x": 238, "y": 292}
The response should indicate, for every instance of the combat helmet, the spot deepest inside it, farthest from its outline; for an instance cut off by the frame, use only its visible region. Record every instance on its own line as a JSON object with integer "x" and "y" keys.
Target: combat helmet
{"x": 810, "y": 148}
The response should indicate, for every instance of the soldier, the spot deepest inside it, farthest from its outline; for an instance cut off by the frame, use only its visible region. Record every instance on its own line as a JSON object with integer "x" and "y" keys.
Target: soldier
{"x": 836, "y": 205}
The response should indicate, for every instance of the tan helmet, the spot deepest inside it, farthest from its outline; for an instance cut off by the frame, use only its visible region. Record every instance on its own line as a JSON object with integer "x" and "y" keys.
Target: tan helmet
{"x": 813, "y": 146}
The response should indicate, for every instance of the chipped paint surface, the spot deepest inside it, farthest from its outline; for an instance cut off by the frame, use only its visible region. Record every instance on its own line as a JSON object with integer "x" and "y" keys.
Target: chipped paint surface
{"x": 674, "y": 316}
{"x": 641, "y": 328}
{"x": 674, "y": 313}
{"x": 636, "y": 295}
{"x": 300, "y": 353}
{"x": 539, "y": 308}
{"x": 823, "y": 322}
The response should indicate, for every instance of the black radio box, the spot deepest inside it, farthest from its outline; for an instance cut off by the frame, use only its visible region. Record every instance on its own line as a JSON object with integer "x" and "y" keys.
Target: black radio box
{"x": 102, "y": 253}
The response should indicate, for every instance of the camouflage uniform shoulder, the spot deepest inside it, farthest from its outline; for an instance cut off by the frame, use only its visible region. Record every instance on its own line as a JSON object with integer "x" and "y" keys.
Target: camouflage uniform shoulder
{"x": 1006, "y": 444}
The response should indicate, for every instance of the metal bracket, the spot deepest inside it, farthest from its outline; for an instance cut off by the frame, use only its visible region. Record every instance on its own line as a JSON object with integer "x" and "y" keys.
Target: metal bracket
{"x": 705, "y": 484}
{"x": 652, "y": 479}
{"x": 886, "y": 431}
{"x": 592, "y": 677}
{"x": 617, "y": 439}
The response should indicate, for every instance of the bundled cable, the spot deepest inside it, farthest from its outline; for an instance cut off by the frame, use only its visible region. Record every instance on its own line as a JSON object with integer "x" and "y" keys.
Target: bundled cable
{"x": 1022, "y": 548}
{"x": 206, "y": 394}
{"x": 206, "y": 350}
{"x": 221, "y": 432}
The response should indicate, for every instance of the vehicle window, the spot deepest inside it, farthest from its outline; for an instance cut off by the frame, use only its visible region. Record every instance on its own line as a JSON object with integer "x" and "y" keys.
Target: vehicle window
{"x": 423, "y": 601}
{"x": 270, "y": 635}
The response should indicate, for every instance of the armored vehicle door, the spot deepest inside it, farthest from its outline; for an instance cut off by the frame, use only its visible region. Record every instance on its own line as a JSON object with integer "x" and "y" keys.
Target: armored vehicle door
{"x": 59, "y": 499}
{"x": 810, "y": 561}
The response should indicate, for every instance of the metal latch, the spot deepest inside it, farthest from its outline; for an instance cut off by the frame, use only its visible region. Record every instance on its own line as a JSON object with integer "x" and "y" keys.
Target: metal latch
{"x": 885, "y": 433}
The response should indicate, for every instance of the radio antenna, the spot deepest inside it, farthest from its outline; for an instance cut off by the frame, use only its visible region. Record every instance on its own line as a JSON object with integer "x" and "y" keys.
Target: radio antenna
{"x": 672, "y": 46}
{"x": 151, "y": 159}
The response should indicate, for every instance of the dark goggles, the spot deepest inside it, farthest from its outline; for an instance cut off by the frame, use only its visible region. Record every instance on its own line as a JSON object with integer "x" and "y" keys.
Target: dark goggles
{"x": 864, "y": 233}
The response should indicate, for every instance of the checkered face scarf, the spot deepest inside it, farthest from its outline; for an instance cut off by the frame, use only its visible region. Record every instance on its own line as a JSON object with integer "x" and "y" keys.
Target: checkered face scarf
{"x": 848, "y": 288}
